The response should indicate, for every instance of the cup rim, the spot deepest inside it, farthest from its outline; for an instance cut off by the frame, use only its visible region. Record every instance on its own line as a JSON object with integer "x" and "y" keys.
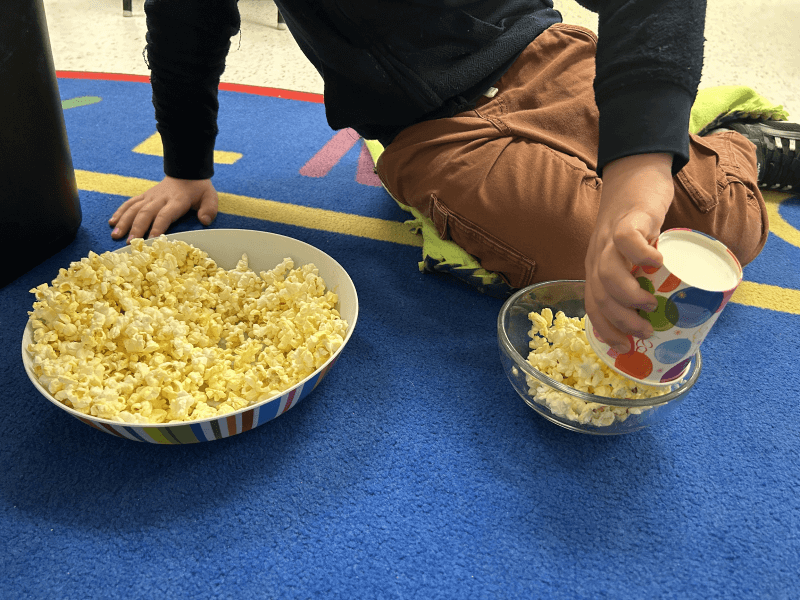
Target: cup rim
{"x": 710, "y": 243}
{"x": 524, "y": 365}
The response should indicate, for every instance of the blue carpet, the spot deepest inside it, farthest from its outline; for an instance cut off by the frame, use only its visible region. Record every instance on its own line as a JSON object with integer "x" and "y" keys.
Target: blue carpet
{"x": 414, "y": 470}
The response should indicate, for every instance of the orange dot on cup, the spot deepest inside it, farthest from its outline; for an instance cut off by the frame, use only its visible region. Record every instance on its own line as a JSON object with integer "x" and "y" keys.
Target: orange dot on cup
{"x": 630, "y": 343}
{"x": 670, "y": 283}
{"x": 634, "y": 364}
{"x": 649, "y": 270}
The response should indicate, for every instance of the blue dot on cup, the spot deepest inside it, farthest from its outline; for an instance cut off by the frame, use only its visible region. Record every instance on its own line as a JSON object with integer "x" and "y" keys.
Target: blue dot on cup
{"x": 695, "y": 306}
{"x": 672, "y": 351}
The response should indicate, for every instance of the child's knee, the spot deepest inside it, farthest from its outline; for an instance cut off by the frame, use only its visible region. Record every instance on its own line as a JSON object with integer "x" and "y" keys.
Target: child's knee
{"x": 717, "y": 193}
{"x": 744, "y": 226}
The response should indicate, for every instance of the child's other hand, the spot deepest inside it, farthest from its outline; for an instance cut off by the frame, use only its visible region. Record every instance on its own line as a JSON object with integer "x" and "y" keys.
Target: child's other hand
{"x": 637, "y": 192}
{"x": 162, "y": 205}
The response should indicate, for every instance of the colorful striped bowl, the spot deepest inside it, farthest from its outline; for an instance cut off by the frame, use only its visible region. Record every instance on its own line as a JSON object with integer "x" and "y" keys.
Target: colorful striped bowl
{"x": 226, "y": 246}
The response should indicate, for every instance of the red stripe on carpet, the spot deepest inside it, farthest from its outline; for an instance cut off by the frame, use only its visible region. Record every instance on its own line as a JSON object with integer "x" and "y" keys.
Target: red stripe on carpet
{"x": 274, "y": 92}
{"x": 226, "y": 87}
{"x": 103, "y": 76}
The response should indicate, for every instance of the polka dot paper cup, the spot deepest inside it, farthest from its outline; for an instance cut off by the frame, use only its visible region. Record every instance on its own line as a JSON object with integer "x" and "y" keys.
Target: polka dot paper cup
{"x": 698, "y": 277}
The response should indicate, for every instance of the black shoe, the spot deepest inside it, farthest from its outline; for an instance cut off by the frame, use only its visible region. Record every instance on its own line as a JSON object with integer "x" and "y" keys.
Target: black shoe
{"x": 777, "y": 151}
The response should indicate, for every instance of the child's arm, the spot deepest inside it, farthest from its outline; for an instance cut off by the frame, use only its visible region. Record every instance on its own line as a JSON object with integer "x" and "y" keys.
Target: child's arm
{"x": 649, "y": 59}
{"x": 648, "y": 66}
{"x": 187, "y": 44}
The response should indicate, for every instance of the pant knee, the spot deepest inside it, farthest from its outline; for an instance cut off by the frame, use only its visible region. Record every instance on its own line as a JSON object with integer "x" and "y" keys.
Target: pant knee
{"x": 748, "y": 238}
{"x": 717, "y": 193}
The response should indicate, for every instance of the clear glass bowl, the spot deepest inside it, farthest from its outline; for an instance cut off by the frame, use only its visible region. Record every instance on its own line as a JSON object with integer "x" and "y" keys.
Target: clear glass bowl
{"x": 513, "y": 327}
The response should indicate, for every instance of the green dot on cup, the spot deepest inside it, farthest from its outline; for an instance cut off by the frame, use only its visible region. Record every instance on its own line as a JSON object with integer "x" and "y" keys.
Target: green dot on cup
{"x": 664, "y": 316}
{"x": 646, "y": 284}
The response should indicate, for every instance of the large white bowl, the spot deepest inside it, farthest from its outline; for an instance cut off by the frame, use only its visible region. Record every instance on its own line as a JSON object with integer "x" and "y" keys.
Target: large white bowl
{"x": 225, "y": 247}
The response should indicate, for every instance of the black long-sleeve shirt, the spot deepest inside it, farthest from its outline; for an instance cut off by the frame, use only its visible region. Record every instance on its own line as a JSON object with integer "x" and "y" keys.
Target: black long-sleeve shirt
{"x": 387, "y": 64}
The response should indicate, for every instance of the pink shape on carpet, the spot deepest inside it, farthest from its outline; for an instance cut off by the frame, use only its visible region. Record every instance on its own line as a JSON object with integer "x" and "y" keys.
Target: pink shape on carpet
{"x": 330, "y": 154}
{"x": 366, "y": 174}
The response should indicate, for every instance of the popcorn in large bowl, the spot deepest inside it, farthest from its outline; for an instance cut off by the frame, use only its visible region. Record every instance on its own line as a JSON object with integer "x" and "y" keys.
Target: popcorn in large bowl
{"x": 189, "y": 337}
{"x": 547, "y": 358}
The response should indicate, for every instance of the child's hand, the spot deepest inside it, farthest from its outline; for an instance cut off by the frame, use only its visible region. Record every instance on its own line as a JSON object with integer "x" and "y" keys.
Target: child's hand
{"x": 162, "y": 205}
{"x": 637, "y": 192}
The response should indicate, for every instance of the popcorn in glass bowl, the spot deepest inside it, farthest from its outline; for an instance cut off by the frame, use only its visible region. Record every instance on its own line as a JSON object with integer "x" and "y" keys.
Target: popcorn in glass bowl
{"x": 546, "y": 356}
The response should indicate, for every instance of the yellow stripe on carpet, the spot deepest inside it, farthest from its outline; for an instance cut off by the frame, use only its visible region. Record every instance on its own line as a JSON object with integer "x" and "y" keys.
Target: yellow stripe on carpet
{"x": 152, "y": 146}
{"x": 266, "y": 210}
{"x": 771, "y": 297}
{"x": 749, "y": 293}
{"x": 777, "y": 224}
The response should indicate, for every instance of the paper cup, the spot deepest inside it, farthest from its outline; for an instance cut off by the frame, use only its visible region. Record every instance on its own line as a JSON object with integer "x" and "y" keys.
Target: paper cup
{"x": 698, "y": 277}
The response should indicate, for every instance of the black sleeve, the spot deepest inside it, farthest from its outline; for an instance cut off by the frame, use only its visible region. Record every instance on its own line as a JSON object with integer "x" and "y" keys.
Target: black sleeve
{"x": 187, "y": 44}
{"x": 649, "y": 62}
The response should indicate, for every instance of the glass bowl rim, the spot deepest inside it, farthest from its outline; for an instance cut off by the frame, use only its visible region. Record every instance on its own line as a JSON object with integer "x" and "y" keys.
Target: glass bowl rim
{"x": 524, "y": 365}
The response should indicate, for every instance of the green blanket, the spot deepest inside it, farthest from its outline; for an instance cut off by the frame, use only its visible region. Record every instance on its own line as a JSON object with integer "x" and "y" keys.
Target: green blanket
{"x": 713, "y": 108}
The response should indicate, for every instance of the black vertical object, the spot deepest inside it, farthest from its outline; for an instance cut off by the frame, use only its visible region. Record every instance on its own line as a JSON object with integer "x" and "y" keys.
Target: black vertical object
{"x": 127, "y": 8}
{"x": 40, "y": 210}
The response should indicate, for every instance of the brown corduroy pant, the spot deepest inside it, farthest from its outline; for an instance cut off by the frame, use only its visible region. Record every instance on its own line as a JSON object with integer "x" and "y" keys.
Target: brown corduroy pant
{"x": 513, "y": 181}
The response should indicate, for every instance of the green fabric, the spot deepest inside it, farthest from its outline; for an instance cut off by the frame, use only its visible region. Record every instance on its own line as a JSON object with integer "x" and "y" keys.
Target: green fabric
{"x": 716, "y": 106}
{"x": 446, "y": 256}
{"x": 713, "y": 108}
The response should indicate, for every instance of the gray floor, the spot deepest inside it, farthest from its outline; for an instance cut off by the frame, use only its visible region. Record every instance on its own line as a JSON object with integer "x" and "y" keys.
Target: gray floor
{"x": 754, "y": 43}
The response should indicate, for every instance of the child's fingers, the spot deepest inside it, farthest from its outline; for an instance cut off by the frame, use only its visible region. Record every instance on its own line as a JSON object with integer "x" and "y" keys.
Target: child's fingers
{"x": 631, "y": 241}
{"x": 165, "y": 217}
{"x": 123, "y": 208}
{"x": 125, "y": 219}
{"x": 617, "y": 282}
{"x": 613, "y": 297}
{"x": 209, "y": 205}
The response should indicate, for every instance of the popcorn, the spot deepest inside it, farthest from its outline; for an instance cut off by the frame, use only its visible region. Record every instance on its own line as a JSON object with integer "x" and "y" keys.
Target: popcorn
{"x": 559, "y": 349}
{"x": 163, "y": 335}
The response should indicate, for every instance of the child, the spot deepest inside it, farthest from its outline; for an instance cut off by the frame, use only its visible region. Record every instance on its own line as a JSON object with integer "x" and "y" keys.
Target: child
{"x": 539, "y": 149}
